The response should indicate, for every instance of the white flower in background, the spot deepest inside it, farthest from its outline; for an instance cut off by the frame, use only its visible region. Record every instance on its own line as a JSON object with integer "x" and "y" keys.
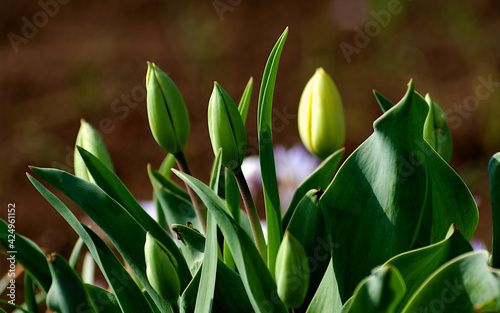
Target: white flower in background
{"x": 292, "y": 167}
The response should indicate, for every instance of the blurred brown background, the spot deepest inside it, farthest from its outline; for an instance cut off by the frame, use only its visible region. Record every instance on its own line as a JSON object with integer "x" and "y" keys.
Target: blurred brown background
{"x": 66, "y": 60}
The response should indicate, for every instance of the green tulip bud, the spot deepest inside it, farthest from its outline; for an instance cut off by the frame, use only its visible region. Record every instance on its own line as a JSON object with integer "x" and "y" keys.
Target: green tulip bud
{"x": 89, "y": 139}
{"x": 226, "y": 128}
{"x": 167, "y": 113}
{"x": 321, "y": 116}
{"x": 292, "y": 272}
{"x": 436, "y": 131}
{"x": 161, "y": 270}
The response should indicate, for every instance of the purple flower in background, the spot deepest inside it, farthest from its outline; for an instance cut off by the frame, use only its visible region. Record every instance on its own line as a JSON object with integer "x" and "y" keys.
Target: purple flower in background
{"x": 292, "y": 167}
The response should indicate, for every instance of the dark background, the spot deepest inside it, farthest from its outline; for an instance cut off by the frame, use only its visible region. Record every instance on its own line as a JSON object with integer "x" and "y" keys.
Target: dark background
{"x": 87, "y": 59}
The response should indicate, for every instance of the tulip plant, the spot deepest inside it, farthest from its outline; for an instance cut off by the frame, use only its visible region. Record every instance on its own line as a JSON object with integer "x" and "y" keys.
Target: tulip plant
{"x": 387, "y": 230}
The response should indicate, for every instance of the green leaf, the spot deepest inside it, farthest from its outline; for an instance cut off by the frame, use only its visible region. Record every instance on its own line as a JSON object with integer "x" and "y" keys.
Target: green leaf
{"x": 464, "y": 284}
{"x": 320, "y": 178}
{"x": 392, "y": 194}
{"x": 104, "y": 301}
{"x": 29, "y": 255}
{"x": 494, "y": 174}
{"x": 125, "y": 289}
{"x": 75, "y": 253}
{"x": 166, "y": 165}
{"x": 114, "y": 188}
{"x": 129, "y": 238}
{"x": 192, "y": 244}
{"x": 67, "y": 293}
{"x": 380, "y": 292}
{"x": 178, "y": 210}
{"x": 165, "y": 169}
{"x": 258, "y": 282}
{"x": 205, "y": 296}
{"x": 266, "y": 153}
{"x": 385, "y": 104}
{"x": 29, "y": 293}
{"x": 436, "y": 130}
{"x": 416, "y": 265}
{"x": 327, "y": 297}
{"x": 245, "y": 100}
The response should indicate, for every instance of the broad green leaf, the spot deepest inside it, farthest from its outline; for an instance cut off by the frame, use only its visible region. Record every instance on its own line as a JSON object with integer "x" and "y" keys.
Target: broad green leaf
{"x": 192, "y": 244}
{"x": 416, "y": 265}
{"x": 67, "y": 293}
{"x": 449, "y": 201}
{"x": 104, "y": 301}
{"x": 308, "y": 227}
{"x": 464, "y": 284}
{"x": 266, "y": 153}
{"x": 128, "y": 239}
{"x": 28, "y": 254}
{"x": 380, "y": 292}
{"x": 123, "y": 286}
{"x": 258, "y": 282}
{"x": 392, "y": 194}
{"x": 245, "y": 100}
{"x": 114, "y": 188}
{"x": 327, "y": 297}
{"x": 178, "y": 210}
{"x": 494, "y": 173}
{"x": 320, "y": 178}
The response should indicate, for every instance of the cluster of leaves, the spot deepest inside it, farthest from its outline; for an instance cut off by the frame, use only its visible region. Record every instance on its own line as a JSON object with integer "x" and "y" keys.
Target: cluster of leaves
{"x": 388, "y": 231}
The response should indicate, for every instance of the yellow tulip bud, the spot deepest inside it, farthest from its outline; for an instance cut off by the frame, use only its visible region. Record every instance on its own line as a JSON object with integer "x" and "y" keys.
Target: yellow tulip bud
{"x": 321, "y": 116}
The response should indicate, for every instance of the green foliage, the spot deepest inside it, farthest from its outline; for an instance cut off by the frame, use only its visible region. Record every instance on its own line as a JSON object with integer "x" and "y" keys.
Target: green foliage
{"x": 387, "y": 230}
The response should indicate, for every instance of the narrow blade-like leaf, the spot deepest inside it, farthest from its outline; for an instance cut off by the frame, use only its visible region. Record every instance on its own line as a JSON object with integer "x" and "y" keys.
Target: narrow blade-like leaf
{"x": 266, "y": 154}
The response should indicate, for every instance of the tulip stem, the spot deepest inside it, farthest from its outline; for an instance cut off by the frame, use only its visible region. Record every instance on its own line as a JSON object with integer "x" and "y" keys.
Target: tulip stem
{"x": 197, "y": 203}
{"x": 252, "y": 213}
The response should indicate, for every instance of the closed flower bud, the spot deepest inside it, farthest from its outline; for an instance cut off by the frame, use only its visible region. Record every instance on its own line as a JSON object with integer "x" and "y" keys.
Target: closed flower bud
{"x": 226, "y": 128}
{"x": 292, "y": 272}
{"x": 167, "y": 113}
{"x": 436, "y": 131}
{"x": 321, "y": 116}
{"x": 161, "y": 270}
{"x": 89, "y": 139}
